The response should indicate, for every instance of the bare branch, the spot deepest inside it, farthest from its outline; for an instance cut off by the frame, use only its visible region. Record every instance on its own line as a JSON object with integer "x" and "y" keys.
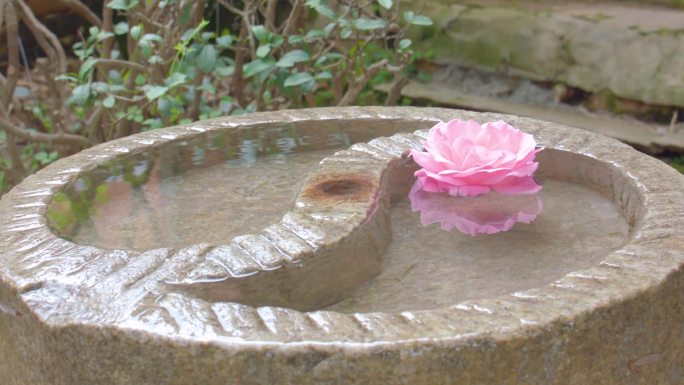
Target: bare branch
{"x": 394, "y": 93}
{"x": 360, "y": 83}
{"x": 107, "y": 25}
{"x": 121, "y": 64}
{"x": 270, "y": 15}
{"x": 45, "y": 38}
{"x": 84, "y": 11}
{"x": 197, "y": 82}
{"x": 32, "y": 136}
{"x": 12, "y": 32}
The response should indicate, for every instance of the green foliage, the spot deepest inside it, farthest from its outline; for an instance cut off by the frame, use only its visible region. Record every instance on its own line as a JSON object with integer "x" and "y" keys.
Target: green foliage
{"x": 677, "y": 162}
{"x": 280, "y": 72}
{"x": 156, "y": 69}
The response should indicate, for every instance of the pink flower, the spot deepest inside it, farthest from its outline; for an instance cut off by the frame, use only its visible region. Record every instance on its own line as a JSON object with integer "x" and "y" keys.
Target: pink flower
{"x": 488, "y": 214}
{"x": 464, "y": 158}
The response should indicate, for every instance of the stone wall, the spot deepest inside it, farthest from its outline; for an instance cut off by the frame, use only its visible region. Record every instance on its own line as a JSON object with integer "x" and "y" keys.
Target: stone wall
{"x": 632, "y": 52}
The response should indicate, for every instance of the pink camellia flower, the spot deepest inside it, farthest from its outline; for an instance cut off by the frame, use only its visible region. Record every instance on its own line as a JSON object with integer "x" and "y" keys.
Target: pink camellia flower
{"x": 464, "y": 158}
{"x": 489, "y": 214}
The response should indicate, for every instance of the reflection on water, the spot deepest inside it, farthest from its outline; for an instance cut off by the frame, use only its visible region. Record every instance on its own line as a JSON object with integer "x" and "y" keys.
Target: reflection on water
{"x": 241, "y": 181}
{"x": 485, "y": 214}
{"x": 427, "y": 267}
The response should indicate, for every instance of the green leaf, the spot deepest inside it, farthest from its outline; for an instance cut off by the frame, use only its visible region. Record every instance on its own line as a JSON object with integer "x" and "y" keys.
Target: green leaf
{"x": 329, "y": 28}
{"x": 121, "y": 28}
{"x": 176, "y": 79}
{"x": 297, "y": 79}
{"x": 276, "y": 40}
{"x": 99, "y": 87}
{"x": 119, "y": 5}
{"x": 326, "y": 11}
{"x": 208, "y": 87}
{"x": 206, "y": 60}
{"x": 257, "y": 66}
{"x": 263, "y": 50}
{"x": 104, "y": 35}
{"x": 260, "y": 33}
{"x": 140, "y": 79}
{"x": 148, "y": 37}
{"x": 66, "y": 77}
{"x": 109, "y": 101}
{"x": 414, "y": 19}
{"x": 79, "y": 95}
{"x": 334, "y": 56}
{"x": 295, "y": 39}
{"x": 404, "y": 43}
{"x": 153, "y": 92}
{"x": 225, "y": 71}
{"x": 85, "y": 69}
{"x": 346, "y": 33}
{"x": 315, "y": 34}
{"x": 224, "y": 41}
{"x": 136, "y": 31}
{"x": 369, "y": 24}
{"x": 267, "y": 97}
{"x": 320, "y": 60}
{"x": 206, "y": 36}
{"x": 325, "y": 75}
{"x": 146, "y": 50}
{"x": 153, "y": 123}
{"x": 421, "y": 20}
{"x": 387, "y": 4}
{"x": 155, "y": 59}
{"x": 122, "y": 5}
{"x": 293, "y": 57}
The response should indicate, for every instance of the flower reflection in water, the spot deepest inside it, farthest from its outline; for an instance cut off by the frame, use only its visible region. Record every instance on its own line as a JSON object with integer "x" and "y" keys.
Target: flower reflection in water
{"x": 486, "y": 214}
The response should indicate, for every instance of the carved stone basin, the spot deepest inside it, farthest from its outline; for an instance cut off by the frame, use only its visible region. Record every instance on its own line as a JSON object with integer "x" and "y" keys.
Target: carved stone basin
{"x": 282, "y": 248}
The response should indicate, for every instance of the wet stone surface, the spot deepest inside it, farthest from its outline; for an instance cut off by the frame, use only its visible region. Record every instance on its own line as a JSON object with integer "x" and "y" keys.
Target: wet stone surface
{"x": 428, "y": 267}
{"x": 281, "y": 248}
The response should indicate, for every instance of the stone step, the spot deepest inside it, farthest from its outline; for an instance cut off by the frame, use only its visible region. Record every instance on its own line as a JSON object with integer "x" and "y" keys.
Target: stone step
{"x": 650, "y": 138}
{"x": 634, "y": 51}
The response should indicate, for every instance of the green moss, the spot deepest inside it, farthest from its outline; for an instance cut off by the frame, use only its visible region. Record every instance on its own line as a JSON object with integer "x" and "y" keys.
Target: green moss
{"x": 677, "y": 163}
{"x": 595, "y": 18}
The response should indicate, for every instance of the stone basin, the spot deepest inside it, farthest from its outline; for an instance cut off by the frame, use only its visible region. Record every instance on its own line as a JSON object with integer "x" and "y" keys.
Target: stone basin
{"x": 281, "y": 248}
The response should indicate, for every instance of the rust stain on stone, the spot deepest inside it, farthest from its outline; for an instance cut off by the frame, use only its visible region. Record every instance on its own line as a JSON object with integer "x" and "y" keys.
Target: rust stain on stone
{"x": 340, "y": 187}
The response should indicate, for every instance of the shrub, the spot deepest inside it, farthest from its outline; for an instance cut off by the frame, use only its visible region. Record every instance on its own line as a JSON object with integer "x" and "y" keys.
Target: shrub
{"x": 149, "y": 64}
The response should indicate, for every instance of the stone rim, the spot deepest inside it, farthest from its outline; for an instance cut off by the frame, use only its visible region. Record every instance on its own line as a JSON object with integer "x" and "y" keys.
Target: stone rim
{"x": 647, "y": 260}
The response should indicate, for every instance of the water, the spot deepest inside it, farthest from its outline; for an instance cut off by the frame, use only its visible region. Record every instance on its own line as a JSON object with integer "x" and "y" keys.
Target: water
{"x": 428, "y": 267}
{"x": 218, "y": 186}
{"x": 208, "y": 190}
{"x": 211, "y": 204}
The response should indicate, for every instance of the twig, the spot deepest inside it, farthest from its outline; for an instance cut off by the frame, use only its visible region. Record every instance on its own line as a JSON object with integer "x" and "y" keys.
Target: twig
{"x": 12, "y": 31}
{"x": 43, "y": 65}
{"x": 93, "y": 123}
{"x": 107, "y": 25}
{"x": 394, "y": 93}
{"x": 122, "y": 64}
{"x": 84, "y": 11}
{"x": 197, "y": 94}
{"x": 292, "y": 22}
{"x": 45, "y": 38}
{"x": 238, "y": 81}
{"x": 360, "y": 83}
{"x": 271, "y": 15}
{"x": 32, "y": 136}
